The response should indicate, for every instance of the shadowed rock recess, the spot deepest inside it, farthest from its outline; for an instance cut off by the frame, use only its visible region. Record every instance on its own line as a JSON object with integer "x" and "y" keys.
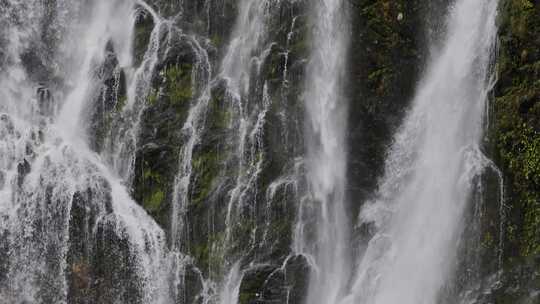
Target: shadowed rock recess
{"x": 270, "y": 151}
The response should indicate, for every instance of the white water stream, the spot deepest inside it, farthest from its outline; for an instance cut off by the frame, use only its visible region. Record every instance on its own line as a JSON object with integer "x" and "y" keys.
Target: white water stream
{"x": 430, "y": 169}
{"x": 46, "y": 159}
{"x": 323, "y": 214}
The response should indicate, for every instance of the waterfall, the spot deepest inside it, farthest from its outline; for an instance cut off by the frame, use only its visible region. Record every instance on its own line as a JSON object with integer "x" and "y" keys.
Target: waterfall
{"x": 62, "y": 205}
{"x": 121, "y": 142}
{"x": 246, "y": 51}
{"x": 193, "y": 128}
{"x": 187, "y": 151}
{"x": 417, "y": 216}
{"x": 236, "y": 88}
{"x": 326, "y": 109}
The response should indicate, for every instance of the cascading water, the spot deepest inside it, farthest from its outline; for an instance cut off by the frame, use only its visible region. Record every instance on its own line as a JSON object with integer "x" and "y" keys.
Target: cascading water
{"x": 121, "y": 142}
{"x": 430, "y": 169}
{"x": 143, "y": 159}
{"x": 192, "y": 127}
{"x": 61, "y": 204}
{"x": 326, "y": 109}
{"x": 239, "y": 91}
{"x": 246, "y": 51}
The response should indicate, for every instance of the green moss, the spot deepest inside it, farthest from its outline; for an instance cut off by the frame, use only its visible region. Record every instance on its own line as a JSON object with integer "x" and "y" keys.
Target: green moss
{"x": 272, "y": 69}
{"x": 519, "y": 151}
{"x": 143, "y": 31}
{"x": 209, "y": 253}
{"x": 216, "y": 252}
{"x": 201, "y": 253}
{"x": 516, "y": 128}
{"x": 153, "y": 202}
{"x": 121, "y": 103}
{"x": 152, "y": 97}
{"x": 244, "y": 297}
{"x": 179, "y": 84}
{"x": 177, "y": 91}
{"x": 520, "y": 11}
{"x": 380, "y": 79}
{"x": 299, "y": 48}
{"x": 206, "y": 166}
{"x": 220, "y": 117}
{"x": 488, "y": 240}
{"x": 154, "y": 191}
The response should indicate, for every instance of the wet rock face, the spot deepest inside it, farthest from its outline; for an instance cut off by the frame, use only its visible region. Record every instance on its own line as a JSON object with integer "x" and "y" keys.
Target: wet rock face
{"x": 109, "y": 95}
{"x": 297, "y": 273}
{"x": 520, "y": 284}
{"x": 211, "y": 18}
{"x": 161, "y": 122}
{"x": 100, "y": 266}
{"x": 174, "y": 92}
{"x": 263, "y": 230}
{"x": 23, "y": 169}
{"x": 36, "y": 65}
{"x": 515, "y": 131}
{"x": 514, "y": 144}
{"x": 387, "y": 55}
{"x": 271, "y": 284}
{"x": 515, "y": 284}
{"x": 144, "y": 24}
{"x": 262, "y": 285}
{"x": 386, "y": 58}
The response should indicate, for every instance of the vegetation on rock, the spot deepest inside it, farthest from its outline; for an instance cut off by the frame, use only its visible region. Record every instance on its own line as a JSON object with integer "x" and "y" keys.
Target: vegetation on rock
{"x": 515, "y": 129}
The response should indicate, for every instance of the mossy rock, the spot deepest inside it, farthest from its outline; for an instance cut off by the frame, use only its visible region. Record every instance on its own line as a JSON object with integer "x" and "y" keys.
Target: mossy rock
{"x": 144, "y": 25}
{"x": 386, "y": 55}
{"x": 160, "y": 139}
{"x": 206, "y": 166}
{"x": 515, "y": 132}
{"x": 262, "y": 284}
{"x": 179, "y": 86}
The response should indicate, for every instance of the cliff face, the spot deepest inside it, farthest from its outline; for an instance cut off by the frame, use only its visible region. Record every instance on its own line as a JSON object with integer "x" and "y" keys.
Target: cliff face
{"x": 388, "y": 53}
{"x": 516, "y": 123}
{"x": 210, "y": 141}
{"x": 217, "y": 167}
{"x": 386, "y": 59}
{"x": 515, "y": 142}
